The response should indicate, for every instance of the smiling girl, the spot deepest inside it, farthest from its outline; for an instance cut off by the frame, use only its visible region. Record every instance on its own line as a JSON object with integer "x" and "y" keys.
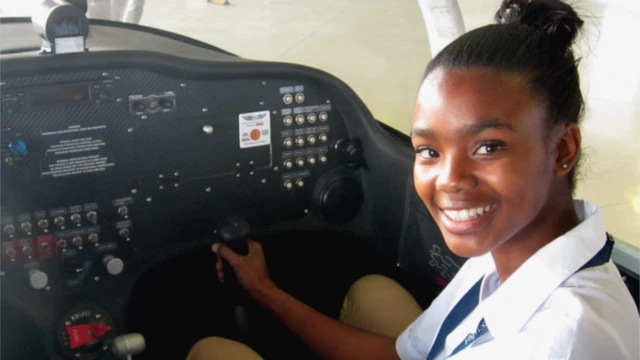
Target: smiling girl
{"x": 497, "y": 142}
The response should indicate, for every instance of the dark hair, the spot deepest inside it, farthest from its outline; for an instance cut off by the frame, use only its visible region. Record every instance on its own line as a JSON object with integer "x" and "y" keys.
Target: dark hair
{"x": 532, "y": 37}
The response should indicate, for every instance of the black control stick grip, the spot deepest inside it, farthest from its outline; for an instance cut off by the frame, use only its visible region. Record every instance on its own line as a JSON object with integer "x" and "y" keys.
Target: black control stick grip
{"x": 234, "y": 232}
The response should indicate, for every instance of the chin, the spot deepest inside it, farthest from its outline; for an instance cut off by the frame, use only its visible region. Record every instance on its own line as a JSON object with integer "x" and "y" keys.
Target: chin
{"x": 466, "y": 247}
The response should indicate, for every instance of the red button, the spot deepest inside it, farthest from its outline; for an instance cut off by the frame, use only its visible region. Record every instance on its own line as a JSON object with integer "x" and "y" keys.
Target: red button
{"x": 255, "y": 134}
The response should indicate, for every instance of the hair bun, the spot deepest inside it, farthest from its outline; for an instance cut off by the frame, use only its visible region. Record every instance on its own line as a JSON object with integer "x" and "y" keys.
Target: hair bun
{"x": 555, "y": 18}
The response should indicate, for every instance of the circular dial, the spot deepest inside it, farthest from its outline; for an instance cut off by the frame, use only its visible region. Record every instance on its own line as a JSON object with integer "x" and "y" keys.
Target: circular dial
{"x": 86, "y": 333}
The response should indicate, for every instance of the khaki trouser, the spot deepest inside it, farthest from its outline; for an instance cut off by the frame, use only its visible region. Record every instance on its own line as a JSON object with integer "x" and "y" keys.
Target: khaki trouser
{"x": 374, "y": 303}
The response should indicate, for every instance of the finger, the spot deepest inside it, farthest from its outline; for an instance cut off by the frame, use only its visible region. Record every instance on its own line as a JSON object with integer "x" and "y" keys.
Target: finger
{"x": 227, "y": 254}
{"x": 219, "y": 264}
{"x": 221, "y": 276}
{"x": 254, "y": 246}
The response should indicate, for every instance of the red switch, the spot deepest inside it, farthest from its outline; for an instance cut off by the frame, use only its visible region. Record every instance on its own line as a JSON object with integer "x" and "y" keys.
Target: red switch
{"x": 86, "y": 333}
{"x": 26, "y": 248}
{"x": 47, "y": 247}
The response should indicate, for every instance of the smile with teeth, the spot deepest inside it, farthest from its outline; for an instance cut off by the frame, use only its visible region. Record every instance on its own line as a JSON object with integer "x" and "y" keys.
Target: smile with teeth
{"x": 469, "y": 214}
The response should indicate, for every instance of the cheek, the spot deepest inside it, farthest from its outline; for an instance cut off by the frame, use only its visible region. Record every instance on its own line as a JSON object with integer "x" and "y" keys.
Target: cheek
{"x": 423, "y": 182}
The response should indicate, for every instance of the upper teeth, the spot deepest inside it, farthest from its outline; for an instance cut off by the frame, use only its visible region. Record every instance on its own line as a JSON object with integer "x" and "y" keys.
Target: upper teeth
{"x": 467, "y": 214}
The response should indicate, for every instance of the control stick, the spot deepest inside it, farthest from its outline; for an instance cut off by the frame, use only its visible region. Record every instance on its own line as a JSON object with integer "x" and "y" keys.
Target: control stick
{"x": 234, "y": 232}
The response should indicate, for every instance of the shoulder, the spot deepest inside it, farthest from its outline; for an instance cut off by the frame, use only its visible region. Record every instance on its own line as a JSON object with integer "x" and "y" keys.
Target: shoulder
{"x": 590, "y": 316}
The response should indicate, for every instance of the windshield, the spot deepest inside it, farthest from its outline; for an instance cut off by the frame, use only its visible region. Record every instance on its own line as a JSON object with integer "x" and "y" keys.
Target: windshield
{"x": 380, "y": 49}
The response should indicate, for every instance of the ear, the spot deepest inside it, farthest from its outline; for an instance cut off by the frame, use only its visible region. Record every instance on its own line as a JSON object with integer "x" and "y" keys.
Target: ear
{"x": 568, "y": 149}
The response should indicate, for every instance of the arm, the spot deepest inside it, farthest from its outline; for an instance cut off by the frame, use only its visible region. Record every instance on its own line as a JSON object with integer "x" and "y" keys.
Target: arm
{"x": 329, "y": 338}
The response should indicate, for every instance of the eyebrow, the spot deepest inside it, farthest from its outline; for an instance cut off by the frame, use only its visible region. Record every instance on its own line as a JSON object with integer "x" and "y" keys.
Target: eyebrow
{"x": 477, "y": 128}
{"x": 472, "y": 129}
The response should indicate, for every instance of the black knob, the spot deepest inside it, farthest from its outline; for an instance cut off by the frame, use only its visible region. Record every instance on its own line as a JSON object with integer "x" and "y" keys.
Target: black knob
{"x": 234, "y": 231}
{"x": 165, "y": 103}
{"x": 137, "y": 106}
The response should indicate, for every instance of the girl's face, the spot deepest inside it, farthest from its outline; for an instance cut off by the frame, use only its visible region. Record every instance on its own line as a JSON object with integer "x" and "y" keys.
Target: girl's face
{"x": 485, "y": 159}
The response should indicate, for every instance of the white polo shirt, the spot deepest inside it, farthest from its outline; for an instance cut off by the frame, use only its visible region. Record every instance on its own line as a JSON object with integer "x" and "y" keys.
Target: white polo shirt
{"x": 545, "y": 310}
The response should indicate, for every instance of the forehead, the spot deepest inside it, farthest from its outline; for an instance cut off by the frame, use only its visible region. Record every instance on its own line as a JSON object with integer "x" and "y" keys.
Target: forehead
{"x": 475, "y": 93}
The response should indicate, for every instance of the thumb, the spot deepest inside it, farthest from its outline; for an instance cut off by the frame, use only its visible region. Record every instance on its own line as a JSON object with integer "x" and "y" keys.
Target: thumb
{"x": 226, "y": 253}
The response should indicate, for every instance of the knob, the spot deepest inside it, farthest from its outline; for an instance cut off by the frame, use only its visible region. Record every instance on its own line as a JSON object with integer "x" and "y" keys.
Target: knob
{"x": 62, "y": 244}
{"x": 43, "y": 224}
{"x": 300, "y": 183}
{"x": 311, "y": 118}
{"x": 10, "y": 252}
{"x": 18, "y": 148}
{"x": 300, "y": 162}
{"x": 93, "y": 238}
{"x": 288, "y": 185}
{"x": 45, "y": 247}
{"x": 288, "y": 121}
{"x": 137, "y": 106}
{"x": 129, "y": 344}
{"x": 288, "y": 142}
{"x": 311, "y": 160}
{"x": 76, "y": 218}
{"x": 300, "y": 141}
{"x": 300, "y": 119}
{"x": 323, "y": 158}
{"x": 312, "y": 139}
{"x": 37, "y": 279}
{"x": 123, "y": 211}
{"x": 59, "y": 221}
{"x": 166, "y": 103}
{"x": 77, "y": 241}
{"x": 324, "y": 116}
{"x": 9, "y": 229}
{"x": 92, "y": 216}
{"x": 288, "y": 164}
{"x": 299, "y": 97}
{"x": 124, "y": 233}
{"x": 26, "y": 226}
{"x": 323, "y": 138}
{"x": 27, "y": 250}
{"x": 113, "y": 264}
{"x": 208, "y": 129}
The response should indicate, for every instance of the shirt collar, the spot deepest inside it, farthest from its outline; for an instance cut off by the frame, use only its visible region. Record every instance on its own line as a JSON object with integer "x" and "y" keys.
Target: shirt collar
{"x": 509, "y": 308}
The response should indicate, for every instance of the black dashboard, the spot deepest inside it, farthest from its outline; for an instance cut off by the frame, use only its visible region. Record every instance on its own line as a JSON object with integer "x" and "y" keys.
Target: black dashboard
{"x": 128, "y": 154}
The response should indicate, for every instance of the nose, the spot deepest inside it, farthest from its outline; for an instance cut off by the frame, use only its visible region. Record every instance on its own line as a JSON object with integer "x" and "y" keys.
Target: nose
{"x": 455, "y": 175}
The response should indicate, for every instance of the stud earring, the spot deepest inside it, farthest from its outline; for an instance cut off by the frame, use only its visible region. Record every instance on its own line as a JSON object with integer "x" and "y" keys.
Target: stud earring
{"x": 565, "y": 166}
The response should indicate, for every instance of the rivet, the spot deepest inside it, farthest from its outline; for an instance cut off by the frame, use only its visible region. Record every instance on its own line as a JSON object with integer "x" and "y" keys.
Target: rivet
{"x": 238, "y": 175}
{"x": 264, "y": 181}
{"x": 97, "y": 278}
{"x": 134, "y": 191}
{"x": 176, "y": 185}
{"x": 183, "y": 85}
{"x": 208, "y": 189}
{"x": 130, "y": 130}
{"x": 144, "y": 117}
{"x": 149, "y": 199}
{"x": 205, "y": 110}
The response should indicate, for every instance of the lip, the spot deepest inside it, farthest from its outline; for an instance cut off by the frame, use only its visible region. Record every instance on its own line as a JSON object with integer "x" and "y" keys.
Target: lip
{"x": 468, "y": 226}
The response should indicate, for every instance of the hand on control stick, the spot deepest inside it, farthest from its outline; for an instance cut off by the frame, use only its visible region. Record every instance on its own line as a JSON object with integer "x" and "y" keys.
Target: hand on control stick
{"x": 251, "y": 270}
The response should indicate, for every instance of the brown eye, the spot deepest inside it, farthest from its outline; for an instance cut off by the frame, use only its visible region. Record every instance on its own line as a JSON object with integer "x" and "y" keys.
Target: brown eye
{"x": 427, "y": 153}
{"x": 487, "y": 149}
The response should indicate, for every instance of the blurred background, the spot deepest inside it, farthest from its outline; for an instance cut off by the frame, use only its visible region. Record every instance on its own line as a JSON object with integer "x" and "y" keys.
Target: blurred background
{"x": 380, "y": 48}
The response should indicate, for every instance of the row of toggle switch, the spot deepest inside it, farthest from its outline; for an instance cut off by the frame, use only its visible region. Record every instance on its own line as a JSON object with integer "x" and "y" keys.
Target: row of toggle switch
{"x": 301, "y": 141}
{"x": 300, "y": 119}
{"x": 300, "y": 162}
{"x": 289, "y": 185}
{"x": 43, "y": 224}
{"x": 288, "y": 98}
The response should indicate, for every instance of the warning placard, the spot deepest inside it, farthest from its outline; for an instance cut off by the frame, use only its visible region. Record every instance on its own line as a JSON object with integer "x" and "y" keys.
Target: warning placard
{"x": 254, "y": 129}
{"x": 75, "y": 150}
{"x": 75, "y": 166}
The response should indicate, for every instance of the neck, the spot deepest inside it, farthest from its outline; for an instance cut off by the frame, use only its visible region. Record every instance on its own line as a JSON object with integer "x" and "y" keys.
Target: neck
{"x": 553, "y": 221}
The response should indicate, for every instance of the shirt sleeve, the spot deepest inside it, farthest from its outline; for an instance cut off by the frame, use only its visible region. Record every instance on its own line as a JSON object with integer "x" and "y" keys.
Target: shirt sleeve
{"x": 405, "y": 349}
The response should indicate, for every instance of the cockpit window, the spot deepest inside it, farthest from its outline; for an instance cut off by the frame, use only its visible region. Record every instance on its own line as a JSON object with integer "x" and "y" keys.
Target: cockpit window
{"x": 372, "y": 46}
